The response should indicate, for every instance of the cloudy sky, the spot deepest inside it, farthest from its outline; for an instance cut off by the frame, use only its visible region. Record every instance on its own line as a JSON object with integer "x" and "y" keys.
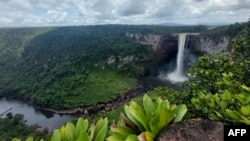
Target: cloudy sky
{"x": 89, "y": 12}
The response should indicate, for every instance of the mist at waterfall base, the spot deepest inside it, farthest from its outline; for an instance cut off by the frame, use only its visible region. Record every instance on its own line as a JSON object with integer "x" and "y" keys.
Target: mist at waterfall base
{"x": 175, "y": 71}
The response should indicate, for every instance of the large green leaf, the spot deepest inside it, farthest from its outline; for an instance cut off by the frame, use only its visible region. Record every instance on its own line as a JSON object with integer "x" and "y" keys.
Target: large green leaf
{"x": 102, "y": 133}
{"x": 29, "y": 139}
{"x": 232, "y": 114}
{"x": 154, "y": 127}
{"x": 141, "y": 117}
{"x": 156, "y": 117}
{"x": 81, "y": 125}
{"x": 131, "y": 138}
{"x": 62, "y": 131}
{"x": 83, "y": 136}
{"x": 155, "y": 124}
{"x": 149, "y": 136}
{"x": 56, "y": 135}
{"x": 167, "y": 104}
{"x": 122, "y": 130}
{"x": 158, "y": 102}
{"x": 148, "y": 106}
{"x": 16, "y": 139}
{"x": 99, "y": 125}
{"x": 128, "y": 123}
{"x": 180, "y": 112}
{"x": 132, "y": 117}
{"x": 92, "y": 131}
{"x": 135, "y": 106}
{"x": 166, "y": 116}
{"x": 70, "y": 132}
{"x": 117, "y": 137}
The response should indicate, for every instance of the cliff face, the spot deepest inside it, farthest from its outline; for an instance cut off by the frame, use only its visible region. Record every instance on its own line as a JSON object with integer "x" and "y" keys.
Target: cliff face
{"x": 149, "y": 39}
{"x": 169, "y": 44}
{"x": 164, "y": 45}
{"x": 210, "y": 44}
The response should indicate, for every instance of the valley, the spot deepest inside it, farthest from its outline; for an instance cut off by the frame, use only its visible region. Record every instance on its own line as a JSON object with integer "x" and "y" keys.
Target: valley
{"x": 69, "y": 67}
{"x": 88, "y": 71}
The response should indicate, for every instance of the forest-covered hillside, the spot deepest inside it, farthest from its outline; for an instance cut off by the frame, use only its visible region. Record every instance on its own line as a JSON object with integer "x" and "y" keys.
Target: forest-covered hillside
{"x": 231, "y": 30}
{"x": 65, "y": 67}
{"x": 218, "y": 87}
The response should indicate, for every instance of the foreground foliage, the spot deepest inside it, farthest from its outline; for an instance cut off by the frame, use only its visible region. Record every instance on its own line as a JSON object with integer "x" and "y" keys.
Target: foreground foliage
{"x": 137, "y": 124}
{"x": 225, "y": 105}
{"x": 82, "y": 131}
{"x": 146, "y": 121}
{"x": 220, "y": 84}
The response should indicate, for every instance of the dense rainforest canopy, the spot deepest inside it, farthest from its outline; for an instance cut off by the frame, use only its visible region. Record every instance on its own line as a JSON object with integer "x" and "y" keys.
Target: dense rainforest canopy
{"x": 52, "y": 64}
{"x": 47, "y": 64}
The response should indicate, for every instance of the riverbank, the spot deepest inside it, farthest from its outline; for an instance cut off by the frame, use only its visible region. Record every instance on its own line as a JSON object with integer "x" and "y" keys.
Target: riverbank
{"x": 4, "y": 112}
{"x": 32, "y": 116}
{"x": 142, "y": 87}
{"x": 46, "y": 117}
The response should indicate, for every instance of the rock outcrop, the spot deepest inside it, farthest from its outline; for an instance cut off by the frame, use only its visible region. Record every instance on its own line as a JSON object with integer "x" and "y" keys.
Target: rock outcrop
{"x": 193, "y": 130}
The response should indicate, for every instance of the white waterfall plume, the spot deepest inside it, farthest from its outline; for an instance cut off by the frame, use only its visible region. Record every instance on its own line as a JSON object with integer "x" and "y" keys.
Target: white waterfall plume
{"x": 177, "y": 75}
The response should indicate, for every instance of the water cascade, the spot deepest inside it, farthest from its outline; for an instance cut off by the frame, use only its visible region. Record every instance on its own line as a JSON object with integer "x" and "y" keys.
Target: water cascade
{"x": 177, "y": 75}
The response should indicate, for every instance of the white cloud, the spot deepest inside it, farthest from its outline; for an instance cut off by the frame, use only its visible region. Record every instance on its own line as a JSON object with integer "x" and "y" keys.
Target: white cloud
{"x": 32, "y": 21}
{"x": 56, "y": 16}
{"x": 130, "y": 7}
{"x": 78, "y": 12}
{"x": 22, "y": 4}
{"x": 5, "y": 21}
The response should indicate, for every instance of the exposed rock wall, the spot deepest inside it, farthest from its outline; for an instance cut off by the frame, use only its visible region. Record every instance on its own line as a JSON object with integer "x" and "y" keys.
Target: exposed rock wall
{"x": 210, "y": 44}
{"x": 166, "y": 47}
{"x": 148, "y": 39}
{"x": 121, "y": 60}
{"x": 169, "y": 43}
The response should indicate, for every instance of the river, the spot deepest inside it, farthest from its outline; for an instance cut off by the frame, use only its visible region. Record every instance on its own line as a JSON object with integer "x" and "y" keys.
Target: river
{"x": 33, "y": 116}
{"x": 51, "y": 120}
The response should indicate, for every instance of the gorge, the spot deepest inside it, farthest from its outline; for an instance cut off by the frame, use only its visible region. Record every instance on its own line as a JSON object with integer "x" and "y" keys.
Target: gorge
{"x": 64, "y": 68}
{"x": 169, "y": 47}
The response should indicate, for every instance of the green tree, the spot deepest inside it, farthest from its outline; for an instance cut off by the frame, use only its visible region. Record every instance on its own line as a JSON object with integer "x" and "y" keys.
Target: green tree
{"x": 220, "y": 84}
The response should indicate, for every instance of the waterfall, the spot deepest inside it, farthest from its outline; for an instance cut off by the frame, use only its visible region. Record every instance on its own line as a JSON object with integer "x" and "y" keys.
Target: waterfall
{"x": 177, "y": 75}
{"x": 181, "y": 45}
